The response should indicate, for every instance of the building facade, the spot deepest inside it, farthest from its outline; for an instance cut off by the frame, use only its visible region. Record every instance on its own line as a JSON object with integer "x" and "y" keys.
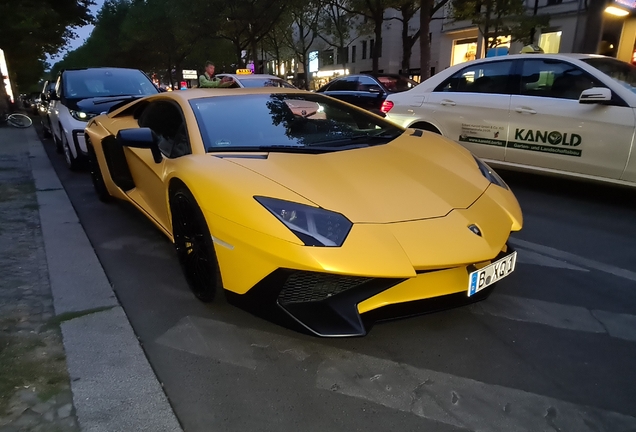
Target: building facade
{"x": 591, "y": 26}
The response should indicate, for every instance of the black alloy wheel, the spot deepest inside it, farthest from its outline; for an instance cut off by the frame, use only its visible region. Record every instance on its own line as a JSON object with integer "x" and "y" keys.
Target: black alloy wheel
{"x": 193, "y": 243}
{"x": 96, "y": 175}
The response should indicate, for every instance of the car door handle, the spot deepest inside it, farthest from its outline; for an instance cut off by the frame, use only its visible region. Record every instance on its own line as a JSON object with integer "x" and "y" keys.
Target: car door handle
{"x": 447, "y": 102}
{"x": 522, "y": 110}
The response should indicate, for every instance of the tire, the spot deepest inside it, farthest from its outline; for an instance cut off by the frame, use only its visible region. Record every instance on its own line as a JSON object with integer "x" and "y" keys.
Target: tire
{"x": 96, "y": 175}
{"x": 193, "y": 243}
{"x": 18, "y": 120}
{"x": 46, "y": 128}
{"x": 58, "y": 142}
{"x": 72, "y": 162}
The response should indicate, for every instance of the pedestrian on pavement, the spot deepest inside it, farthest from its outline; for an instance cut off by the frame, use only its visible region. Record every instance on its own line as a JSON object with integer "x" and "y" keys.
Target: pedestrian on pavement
{"x": 208, "y": 80}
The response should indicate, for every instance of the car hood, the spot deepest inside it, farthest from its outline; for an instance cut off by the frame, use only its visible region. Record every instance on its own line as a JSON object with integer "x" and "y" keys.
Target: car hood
{"x": 410, "y": 178}
{"x": 97, "y": 105}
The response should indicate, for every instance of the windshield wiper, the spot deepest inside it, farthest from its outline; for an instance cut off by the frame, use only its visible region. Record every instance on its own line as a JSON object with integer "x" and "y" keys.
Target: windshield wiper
{"x": 285, "y": 149}
{"x": 367, "y": 139}
{"x": 109, "y": 99}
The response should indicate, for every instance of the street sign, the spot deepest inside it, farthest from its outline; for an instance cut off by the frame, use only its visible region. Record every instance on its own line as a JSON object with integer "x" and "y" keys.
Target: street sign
{"x": 189, "y": 74}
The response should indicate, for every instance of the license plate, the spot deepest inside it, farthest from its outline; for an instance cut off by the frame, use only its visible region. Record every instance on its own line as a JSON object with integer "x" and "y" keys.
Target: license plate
{"x": 482, "y": 278}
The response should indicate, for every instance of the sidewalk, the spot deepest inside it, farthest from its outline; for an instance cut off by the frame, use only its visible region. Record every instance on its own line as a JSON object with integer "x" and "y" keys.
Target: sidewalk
{"x": 69, "y": 359}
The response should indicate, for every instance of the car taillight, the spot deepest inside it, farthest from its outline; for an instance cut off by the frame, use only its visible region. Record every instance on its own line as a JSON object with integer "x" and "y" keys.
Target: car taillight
{"x": 386, "y": 106}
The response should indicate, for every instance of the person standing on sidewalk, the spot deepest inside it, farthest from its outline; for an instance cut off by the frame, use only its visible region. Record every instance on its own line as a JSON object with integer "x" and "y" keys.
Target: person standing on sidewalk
{"x": 208, "y": 80}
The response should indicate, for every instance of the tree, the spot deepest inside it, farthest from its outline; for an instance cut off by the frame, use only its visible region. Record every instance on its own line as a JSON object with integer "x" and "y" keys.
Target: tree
{"x": 247, "y": 22}
{"x": 31, "y": 29}
{"x": 338, "y": 23}
{"x": 373, "y": 12}
{"x": 305, "y": 18}
{"x": 428, "y": 8}
{"x": 499, "y": 18}
{"x": 407, "y": 9}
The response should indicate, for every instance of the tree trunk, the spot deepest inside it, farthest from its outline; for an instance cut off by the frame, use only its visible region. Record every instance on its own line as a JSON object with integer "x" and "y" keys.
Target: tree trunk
{"x": 169, "y": 71}
{"x": 377, "y": 48}
{"x": 254, "y": 48}
{"x": 406, "y": 48}
{"x": 425, "y": 43}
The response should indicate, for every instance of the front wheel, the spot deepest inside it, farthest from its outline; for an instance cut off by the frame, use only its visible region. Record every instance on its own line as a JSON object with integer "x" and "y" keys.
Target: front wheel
{"x": 193, "y": 243}
{"x": 19, "y": 120}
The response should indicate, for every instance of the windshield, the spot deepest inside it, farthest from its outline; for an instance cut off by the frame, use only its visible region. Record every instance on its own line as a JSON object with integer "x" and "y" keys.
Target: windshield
{"x": 91, "y": 83}
{"x": 299, "y": 121}
{"x": 396, "y": 83}
{"x": 266, "y": 82}
{"x": 620, "y": 71}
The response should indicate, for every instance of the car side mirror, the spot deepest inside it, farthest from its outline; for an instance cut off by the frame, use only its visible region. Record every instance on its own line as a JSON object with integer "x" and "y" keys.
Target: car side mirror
{"x": 595, "y": 95}
{"x": 375, "y": 90}
{"x": 141, "y": 138}
{"x": 52, "y": 96}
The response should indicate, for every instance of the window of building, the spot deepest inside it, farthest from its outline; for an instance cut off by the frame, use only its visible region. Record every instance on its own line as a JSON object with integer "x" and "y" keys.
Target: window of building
{"x": 364, "y": 50}
{"x": 555, "y": 79}
{"x": 550, "y": 42}
{"x": 554, "y": 2}
{"x": 327, "y": 57}
{"x": 371, "y": 48}
{"x": 343, "y": 55}
{"x": 353, "y": 54}
{"x": 490, "y": 77}
{"x": 463, "y": 50}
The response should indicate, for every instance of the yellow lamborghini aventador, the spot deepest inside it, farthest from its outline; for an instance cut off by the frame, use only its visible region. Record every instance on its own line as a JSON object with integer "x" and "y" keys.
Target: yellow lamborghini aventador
{"x": 302, "y": 206}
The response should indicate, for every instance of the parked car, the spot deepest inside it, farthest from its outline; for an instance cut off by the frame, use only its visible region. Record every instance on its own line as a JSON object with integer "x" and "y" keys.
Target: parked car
{"x": 559, "y": 114}
{"x": 81, "y": 94}
{"x": 256, "y": 80}
{"x": 300, "y": 206}
{"x": 365, "y": 90}
{"x": 43, "y": 107}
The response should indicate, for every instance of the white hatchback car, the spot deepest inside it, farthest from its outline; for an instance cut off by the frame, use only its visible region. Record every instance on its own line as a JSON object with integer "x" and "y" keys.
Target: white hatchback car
{"x": 564, "y": 114}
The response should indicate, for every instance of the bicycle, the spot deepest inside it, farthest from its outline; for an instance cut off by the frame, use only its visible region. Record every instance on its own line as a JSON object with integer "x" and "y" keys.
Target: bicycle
{"x": 16, "y": 120}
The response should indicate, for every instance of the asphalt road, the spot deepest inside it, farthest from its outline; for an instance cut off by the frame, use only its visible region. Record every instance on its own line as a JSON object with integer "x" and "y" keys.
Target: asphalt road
{"x": 553, "y": 349}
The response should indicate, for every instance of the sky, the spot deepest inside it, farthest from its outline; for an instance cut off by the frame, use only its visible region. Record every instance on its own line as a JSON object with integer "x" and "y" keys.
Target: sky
{"x": 82, "y": 35}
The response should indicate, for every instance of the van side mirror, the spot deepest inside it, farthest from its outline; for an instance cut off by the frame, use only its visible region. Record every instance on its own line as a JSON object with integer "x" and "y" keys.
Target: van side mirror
{"x": 595, "y": 95}
{"x": 142, "y": 138}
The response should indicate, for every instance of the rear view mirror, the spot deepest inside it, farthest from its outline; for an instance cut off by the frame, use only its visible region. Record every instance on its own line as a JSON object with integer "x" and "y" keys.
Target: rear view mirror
{"x": 142, "y": 138}
{"x": 596, "y": 95}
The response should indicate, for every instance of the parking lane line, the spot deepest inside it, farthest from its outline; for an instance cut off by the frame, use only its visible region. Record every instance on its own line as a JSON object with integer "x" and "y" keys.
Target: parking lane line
{"x": 431, "y": 395}
{"x": 528, "y": 310}
{"x": 576, "y": 259}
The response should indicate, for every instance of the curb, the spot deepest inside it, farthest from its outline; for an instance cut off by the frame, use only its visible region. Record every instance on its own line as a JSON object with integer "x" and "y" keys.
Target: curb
{"x": 114, "y": 387}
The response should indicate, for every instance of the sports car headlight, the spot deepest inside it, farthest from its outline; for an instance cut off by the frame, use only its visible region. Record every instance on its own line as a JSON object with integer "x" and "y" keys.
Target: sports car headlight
{"x": 81, "y": 115}
{"x": 313, "y": 225}
{"x": 489, "y": 173}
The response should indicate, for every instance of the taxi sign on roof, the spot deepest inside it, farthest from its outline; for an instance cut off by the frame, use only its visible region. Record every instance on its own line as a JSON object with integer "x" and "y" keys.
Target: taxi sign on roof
{"x": 243, "y": 72}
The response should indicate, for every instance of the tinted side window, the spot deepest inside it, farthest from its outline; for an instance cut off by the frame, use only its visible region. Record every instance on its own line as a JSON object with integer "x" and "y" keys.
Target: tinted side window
{"x": 556, "y": 79}
{"x": 368, "y": 84}
{"x": 490, "y": 77}
{"x": 344, "y": 84}
{"x": 165, "y": 119}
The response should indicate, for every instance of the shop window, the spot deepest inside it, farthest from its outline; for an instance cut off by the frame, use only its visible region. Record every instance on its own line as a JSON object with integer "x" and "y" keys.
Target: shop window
{"x": 463, "y": 50}
{"x": 555, "y": 79}
{"x": 490, "y": 77}
{"x": 550, "y": 42}
{"x": 353, "y": 54}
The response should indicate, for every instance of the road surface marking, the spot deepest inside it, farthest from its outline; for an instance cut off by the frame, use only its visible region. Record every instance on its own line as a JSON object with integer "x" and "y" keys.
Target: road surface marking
{"x": 425, "y": 393}
{"x": 622, "y": 326}
{"x": 575, "y": 259}
{"x": 539, "y": 312}
{"x": 458, "y": 401}
{"x": 529, "y": 257}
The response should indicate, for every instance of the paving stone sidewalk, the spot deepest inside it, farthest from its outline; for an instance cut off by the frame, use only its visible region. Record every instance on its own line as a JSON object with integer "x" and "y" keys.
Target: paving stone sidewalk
{"x": 35, "y": 392}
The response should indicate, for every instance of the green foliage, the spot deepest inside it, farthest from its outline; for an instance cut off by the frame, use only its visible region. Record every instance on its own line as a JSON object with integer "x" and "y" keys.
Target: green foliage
{"x": 29, "y": 30}
{"x": 499, "y": 18}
